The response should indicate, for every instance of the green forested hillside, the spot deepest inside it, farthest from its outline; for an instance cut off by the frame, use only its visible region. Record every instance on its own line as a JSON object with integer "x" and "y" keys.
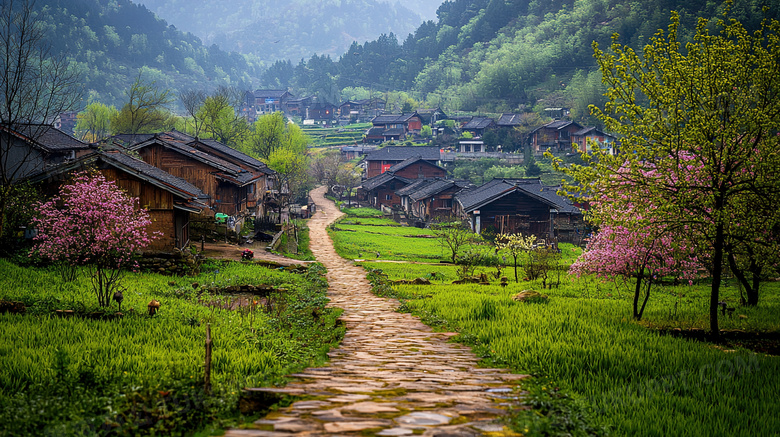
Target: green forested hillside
{"x": 501, "y": 55}
{"x": 109, "y": 40}
{"x": 286, "y": 29}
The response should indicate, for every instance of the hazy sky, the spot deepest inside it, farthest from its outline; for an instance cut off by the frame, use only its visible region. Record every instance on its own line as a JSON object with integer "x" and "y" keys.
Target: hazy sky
{"x": 425, "y": 8}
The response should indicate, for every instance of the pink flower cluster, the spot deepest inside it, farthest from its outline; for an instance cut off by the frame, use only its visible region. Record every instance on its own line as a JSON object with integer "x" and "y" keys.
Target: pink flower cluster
{"x": 91, "y": 221}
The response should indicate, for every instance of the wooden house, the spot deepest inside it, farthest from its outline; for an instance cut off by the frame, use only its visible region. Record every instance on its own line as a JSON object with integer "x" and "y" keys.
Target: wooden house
{"x": 379, "y": 161}
{"x": 234, "y": 188}
{"x": 31, "y": 148}
{"x": 298, "y": 106}
{"x": 519, "y": 206}
{"x": 169, "y": 200}
{"x": 556, "y": 136}
{"x": 321, "y": 112}
{"x": 428, "y": 199}
{"x": 586, "y": 138}
{"x": 477, "y": 125}
{"x": 381, "y": 190}
{"x": 362, "y": 109}
{"x": 429, "y": 117}
{"x": 268, "y": 101}
{"x": 393, "y": 127}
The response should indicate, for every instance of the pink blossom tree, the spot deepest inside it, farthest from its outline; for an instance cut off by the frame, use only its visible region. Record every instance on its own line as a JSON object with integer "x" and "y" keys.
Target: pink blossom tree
{"x": 95, "y": 224}
{"x": 699, "y": 149}
{"x": 617, "y": 251}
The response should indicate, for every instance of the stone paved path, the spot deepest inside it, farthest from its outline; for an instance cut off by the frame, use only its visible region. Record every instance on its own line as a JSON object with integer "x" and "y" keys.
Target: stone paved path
{"x": 392, "y": 375}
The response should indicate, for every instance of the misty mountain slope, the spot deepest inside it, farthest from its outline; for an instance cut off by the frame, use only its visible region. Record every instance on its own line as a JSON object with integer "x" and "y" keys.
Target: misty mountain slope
{"x": 110, "y": 40}
{"x": 287, "y": 29}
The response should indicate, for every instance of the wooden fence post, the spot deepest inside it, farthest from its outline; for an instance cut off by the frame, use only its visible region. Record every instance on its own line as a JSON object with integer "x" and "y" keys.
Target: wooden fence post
{"x": 207, "y": 378}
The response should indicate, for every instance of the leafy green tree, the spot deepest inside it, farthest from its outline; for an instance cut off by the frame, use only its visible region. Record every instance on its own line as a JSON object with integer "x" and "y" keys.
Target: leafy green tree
{"x": 515, "y": 245}
{"x": 292, "y": 178}
{"x": 146, "y": 109}
{"x": 94, "y": 122}
{"x": 453, "y": 235}
{"x": 220, "y": 117}
{"x": 698, "y": 133}
{"x": 271, "y": 132}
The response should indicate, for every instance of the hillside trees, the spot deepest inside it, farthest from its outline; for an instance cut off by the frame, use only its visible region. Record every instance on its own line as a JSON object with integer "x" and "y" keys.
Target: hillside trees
{"x": 94, "y": 122}
{"x": 699, "y": 145}
{"x": 146, "y": 110}
{"x": 35, "y": 86}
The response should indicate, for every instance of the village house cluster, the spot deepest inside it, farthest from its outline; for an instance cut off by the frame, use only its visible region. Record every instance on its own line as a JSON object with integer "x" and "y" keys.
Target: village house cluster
{"x": 177, "y": 178}
{"x": 560, "y": 136}
{"x": 409, "y": 180}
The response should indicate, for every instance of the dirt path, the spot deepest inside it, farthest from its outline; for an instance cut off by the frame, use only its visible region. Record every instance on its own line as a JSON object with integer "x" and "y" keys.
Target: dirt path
{"x": 392, "y": 375}
{"x": 233, "y": 252}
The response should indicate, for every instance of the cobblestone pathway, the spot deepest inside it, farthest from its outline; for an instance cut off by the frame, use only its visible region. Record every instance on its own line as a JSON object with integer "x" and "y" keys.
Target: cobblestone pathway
{"x": 392, "y": 375}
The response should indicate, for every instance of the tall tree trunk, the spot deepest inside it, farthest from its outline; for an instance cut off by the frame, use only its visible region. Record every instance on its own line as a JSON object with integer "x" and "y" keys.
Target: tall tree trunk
{"x": 647, "y": 296}
{"x": 752, "y": 285}
{"x": 637, "y": 290}
{"x": 717, "y": 274}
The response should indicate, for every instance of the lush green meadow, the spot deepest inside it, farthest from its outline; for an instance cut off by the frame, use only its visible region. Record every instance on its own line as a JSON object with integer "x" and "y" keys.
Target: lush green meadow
{"x": 139, "y": 374}
{"x": 597, "y": 371}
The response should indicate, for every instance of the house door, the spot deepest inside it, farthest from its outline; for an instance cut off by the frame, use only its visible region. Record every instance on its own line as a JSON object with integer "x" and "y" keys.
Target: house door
{"x": 181, "y": 221}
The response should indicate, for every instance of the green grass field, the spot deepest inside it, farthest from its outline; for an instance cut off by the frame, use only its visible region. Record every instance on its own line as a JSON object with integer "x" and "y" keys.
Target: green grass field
{"x": 596, "y": 370}
{"x": 144, "y": 375}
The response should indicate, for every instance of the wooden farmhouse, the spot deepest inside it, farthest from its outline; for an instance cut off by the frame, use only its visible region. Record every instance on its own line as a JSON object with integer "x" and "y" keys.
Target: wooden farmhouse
{"x": 427, "y": 199}
{"x": 379, "y": 161}
{"x": 381, "y": 189}
{"x": 587, "y": 138}
{"x": 519, "y": 206}
{"x": 234, "y": 187}
{"x": 170, "y": 200}
{"x": 354, "y": 110}
{"x": 268, "y": 101}
{"x": 393, "y": 127}
{"x": 478, "y": 125}
{"x": 31, "y": 148}
{"x": 556, "y": 136}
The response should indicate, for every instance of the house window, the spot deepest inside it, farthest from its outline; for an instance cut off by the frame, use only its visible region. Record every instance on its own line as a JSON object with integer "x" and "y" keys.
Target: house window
{"x": 388, "y": 197}
{"x": 447, "y": 203}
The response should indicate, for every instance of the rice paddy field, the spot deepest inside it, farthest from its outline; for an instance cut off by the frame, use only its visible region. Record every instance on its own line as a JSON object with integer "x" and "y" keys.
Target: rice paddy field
{"x": 596, "y": 370}
{"x": 92, "y": 374}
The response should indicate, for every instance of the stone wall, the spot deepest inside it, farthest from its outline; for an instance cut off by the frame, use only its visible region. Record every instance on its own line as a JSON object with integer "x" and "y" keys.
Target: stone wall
{"x": 178, "y": 262}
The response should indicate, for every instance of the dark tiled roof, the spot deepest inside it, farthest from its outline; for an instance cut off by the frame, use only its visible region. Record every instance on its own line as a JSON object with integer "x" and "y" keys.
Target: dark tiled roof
{"x": 49, "y": 138}
{"x": 401, "y": 153}
{"x": 497, "y": 188}
{"x": 431, "y": 189}
{"x": 233, "y": 153}
{"x": 150, "y": 172}
{"x": 592, "y": 130}
{"x": 392, "y": 118}
{"x": 509, "y": 120}
{"x": 414, "y": 186}
{"x": 479, "y": 123}
{"x": 379, "y": 180}
{"x": 171, "y": 141}
{"x": 407, "y": 162}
